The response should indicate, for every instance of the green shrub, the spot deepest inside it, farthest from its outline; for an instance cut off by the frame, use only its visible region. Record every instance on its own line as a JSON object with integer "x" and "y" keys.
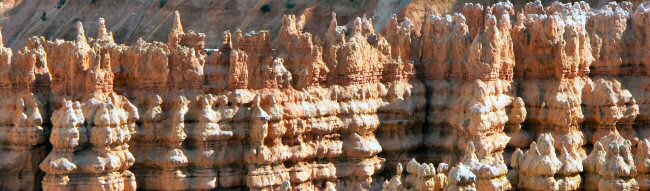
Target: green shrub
{"x": 161, "y": 3}
{"x": 265, "y": 8}
{"x": 60, "y": 4}
{"x": 290, "y": 4}
{"x": 44, "y": 16}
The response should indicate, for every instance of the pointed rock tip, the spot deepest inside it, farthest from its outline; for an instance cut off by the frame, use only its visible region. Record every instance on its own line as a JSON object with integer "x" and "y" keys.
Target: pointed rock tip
{"x": 102, "y": 31}
{"x": 177, "y": 26}
{"x": 102, "y": 25}
{"x": 81, "y": 33}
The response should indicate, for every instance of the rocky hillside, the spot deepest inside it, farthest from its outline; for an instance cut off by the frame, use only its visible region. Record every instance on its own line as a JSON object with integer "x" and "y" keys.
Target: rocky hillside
{"x": 151, "y": 19}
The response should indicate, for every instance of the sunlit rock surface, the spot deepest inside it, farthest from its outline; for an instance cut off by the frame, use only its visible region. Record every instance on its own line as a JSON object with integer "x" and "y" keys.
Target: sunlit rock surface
{"x": 552, "y": 97}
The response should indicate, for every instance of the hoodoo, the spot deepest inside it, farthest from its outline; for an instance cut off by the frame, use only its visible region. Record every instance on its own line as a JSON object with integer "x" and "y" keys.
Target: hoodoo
{"x": 523, "y": 96}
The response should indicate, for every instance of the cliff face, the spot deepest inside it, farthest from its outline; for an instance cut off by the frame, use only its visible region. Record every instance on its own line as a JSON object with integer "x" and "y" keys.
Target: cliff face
{"x": 545, "y": 98}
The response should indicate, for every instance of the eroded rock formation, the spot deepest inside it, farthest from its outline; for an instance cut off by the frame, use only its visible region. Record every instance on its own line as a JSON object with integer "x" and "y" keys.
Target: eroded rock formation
{"x": 23, "y": 133}
{"x": 89, "y": 136}
{"x": 343, "y": 110}
{"x": 540, "y": 168}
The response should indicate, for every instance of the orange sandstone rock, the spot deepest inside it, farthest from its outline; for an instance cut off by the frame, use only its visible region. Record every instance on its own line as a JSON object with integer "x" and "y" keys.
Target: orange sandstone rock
{"x": 342, "y": 110}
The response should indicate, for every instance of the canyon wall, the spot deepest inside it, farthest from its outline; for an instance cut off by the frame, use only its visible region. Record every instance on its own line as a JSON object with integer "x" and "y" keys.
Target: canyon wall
{"x": 543, "y": 98}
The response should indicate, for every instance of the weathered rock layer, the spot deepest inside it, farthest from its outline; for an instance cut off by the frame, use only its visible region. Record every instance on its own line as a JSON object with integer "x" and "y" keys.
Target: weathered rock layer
{"x": 470, "y": 91}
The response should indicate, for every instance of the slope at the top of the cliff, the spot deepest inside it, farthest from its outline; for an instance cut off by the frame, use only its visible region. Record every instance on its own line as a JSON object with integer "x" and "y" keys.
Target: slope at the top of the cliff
{"x": 150, "y": 19}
